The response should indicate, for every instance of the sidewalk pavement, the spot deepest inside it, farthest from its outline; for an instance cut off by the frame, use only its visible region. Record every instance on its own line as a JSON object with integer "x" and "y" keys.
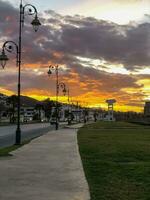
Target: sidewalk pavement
{"x": 48, "y": 168}
{"x": 75, "y": 126}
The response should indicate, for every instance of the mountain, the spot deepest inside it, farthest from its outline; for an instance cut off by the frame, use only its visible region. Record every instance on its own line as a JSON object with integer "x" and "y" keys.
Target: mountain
{"x": 28, "y": 101}
{"x": 24, "y": 100}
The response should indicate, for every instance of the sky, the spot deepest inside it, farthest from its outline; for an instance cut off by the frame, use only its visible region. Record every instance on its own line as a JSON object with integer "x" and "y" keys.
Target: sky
{"x": 102, "y": 48}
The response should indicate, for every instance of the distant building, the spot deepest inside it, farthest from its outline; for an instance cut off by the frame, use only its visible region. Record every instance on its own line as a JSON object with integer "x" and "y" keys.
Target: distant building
{"x": 3, "y": 99}
{"x": 110, "y": 115}
{"x": 27, "y": 113}
{"x": 147, "y": 109}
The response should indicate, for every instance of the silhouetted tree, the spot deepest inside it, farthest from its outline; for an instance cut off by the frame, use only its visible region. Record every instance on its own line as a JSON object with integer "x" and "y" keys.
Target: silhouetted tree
{"x": 39, "y": 107}
{"x": 12, "y": 101}
{"x": 1, "y": 109}
{"x": 48, "y": 105}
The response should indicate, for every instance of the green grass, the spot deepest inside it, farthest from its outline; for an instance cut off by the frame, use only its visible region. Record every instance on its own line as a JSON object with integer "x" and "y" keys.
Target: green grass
{"x": 4, "y": 152}
{"x": 114, "y": 125}
{"x": 116, "y": 160}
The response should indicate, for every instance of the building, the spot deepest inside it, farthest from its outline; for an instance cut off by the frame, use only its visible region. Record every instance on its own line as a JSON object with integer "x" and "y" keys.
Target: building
{"x": 110, "y": 115}
{"x": 68, "y": 111}
{"x": 27, "y": 113}
{"x": 147, "y": 109}
{"x": 3, "y": 99}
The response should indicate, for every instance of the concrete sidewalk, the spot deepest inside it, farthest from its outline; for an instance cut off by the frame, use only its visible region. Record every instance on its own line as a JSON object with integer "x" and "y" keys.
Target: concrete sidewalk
{"x": 48, "y": 168}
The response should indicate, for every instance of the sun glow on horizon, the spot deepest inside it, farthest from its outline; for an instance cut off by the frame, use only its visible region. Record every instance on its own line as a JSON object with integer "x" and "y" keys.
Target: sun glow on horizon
{"x": 84, "y": 102}
{"x": 98, "y": 58}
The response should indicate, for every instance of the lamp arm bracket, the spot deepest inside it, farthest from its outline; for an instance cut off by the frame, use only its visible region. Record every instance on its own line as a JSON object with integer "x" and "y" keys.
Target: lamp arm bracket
{"x": 11, "y": 46}
{"x": 31, "y": 11}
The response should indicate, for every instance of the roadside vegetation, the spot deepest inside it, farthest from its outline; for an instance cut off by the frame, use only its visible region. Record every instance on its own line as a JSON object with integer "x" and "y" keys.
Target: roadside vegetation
{"x": 116, "y": 160}
{"x": 6, "y": 151}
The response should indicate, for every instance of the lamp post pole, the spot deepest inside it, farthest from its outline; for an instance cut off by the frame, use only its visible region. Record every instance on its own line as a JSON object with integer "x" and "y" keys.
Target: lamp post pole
{"x": 68, "y": 92}
{"x": 63, "y": 87}
{"x": 18, "y": 131}
{"x": 69, "y": 114}
{"x": 58, "y": 85}
{"x": 56, "y": 68}
{"x": 57, "y": 91}
{"x": 36, "y": 24}
{"x": 8, "y": 46}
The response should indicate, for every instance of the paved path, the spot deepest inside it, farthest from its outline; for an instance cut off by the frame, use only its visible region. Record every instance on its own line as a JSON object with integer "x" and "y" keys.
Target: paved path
{"x": 48, "y": 168}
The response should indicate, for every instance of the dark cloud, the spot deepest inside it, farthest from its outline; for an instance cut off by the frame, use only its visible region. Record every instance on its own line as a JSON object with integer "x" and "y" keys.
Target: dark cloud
{"x": 102, "y": 40}
{"x": 29, "y": 79}
{"x": 76, "y": 35}
{"x": 8, "y": 16}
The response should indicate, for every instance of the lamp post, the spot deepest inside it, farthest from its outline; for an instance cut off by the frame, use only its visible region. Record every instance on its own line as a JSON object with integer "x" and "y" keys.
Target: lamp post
{"x": 68, "y": 93}
{"x": 9, "y": 47}
{"x": 58, "y": 86}
{"x": 69, "y": 113}
{"x": 63, "y": 87}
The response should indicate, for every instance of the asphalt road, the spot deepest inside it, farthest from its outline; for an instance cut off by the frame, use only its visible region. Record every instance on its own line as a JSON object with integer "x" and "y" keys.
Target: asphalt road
{"x": 28, "y": 131}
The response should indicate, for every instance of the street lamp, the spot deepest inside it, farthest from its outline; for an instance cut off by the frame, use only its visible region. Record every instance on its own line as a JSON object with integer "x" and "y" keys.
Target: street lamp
{"x": 3, "y": 59}
{"x": 9, "y": 47}
{"x": 63, "y": 87}
{"x": 69, "y": 113}
{"x": 58, "y": 86}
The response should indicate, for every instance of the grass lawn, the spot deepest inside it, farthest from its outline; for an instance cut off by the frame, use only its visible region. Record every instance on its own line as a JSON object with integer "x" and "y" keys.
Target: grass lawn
{"x": 116, "y": 160}
{"x": 6, "y": 151}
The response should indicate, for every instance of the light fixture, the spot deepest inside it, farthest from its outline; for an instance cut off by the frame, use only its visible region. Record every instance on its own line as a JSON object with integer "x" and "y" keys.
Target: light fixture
{"x": 3, "y": 59}
{"x": 36, "y": 23}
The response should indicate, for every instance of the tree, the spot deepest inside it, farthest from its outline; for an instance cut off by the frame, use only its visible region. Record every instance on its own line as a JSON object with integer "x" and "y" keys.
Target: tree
{"x": 39, "y": 107}
{"x": 12, "y": 101}
{"x": 1, "y": 109}
{"x": 48, "y": 105}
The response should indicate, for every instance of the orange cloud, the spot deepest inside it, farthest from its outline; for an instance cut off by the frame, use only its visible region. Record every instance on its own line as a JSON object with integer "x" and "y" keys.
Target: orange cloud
{"x": 6, "y": 92}
{"x": 37, "y": 94}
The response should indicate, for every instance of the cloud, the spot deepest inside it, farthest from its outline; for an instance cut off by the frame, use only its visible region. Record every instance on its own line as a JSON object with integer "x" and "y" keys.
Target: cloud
{"x": 85, "y": 79}
{"x": 62, "y": 39}
{"x": 8, "y": 15}
{"x": 84, "y": 36}
{"x": 80, "y": 36}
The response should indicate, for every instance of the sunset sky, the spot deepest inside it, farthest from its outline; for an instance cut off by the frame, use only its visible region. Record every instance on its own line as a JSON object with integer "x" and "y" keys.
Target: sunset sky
{"x": 102, "y": 48}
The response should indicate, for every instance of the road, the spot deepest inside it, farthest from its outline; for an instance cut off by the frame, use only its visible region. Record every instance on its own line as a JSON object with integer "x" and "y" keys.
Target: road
{"x": 28, "y": 131}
